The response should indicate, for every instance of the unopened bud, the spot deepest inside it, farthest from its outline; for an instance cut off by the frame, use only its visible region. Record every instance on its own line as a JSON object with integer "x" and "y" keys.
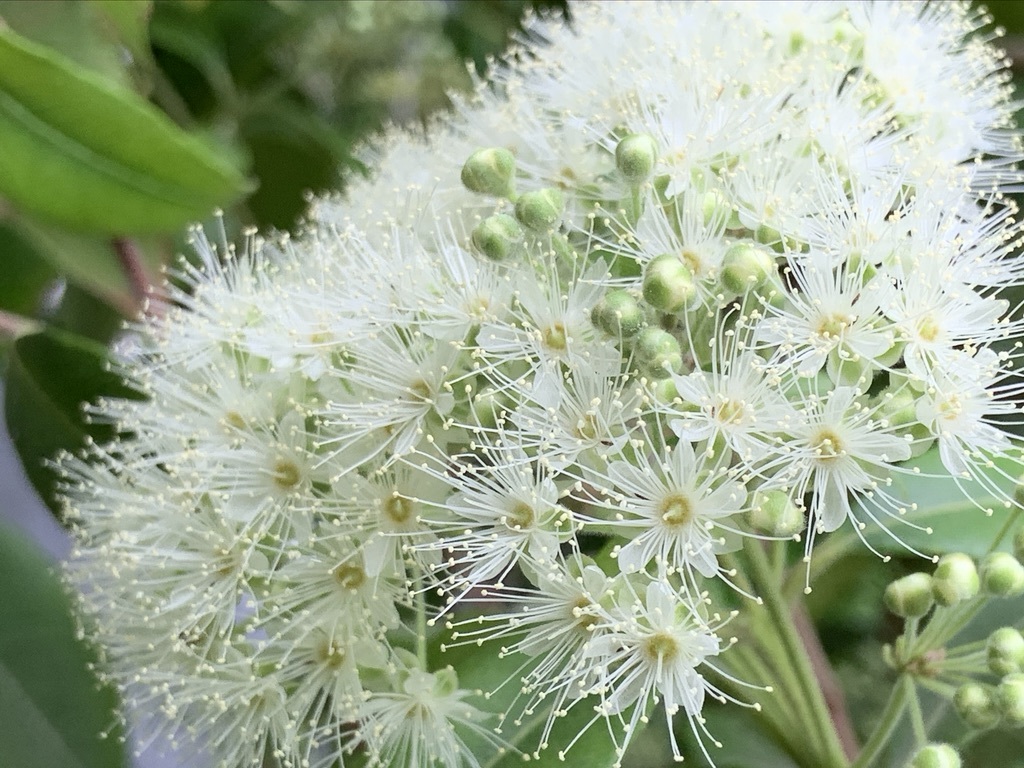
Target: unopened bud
{"x": 717, "y": 211}
{"x": 490, "y": 171}
{"x": 955, "y": 579}
{"x": 658, "y": 353}
{"x": 977, "y": 706}
{"x": 490, "y": 407}
{"x": 936, "y": 756}
{"x": 774, "y": 514}
{"x": 1002, "y": 575}
{"x": 668, "y": 283}
{"x": 498, "y": 237}
{"x": 746, "y": 267}
{"x": 540, "y": 210}
{"x": 1010, "y": 699}
{"x": 618, "y": 314}
{"x": 635, "y": 157}
{"x": 1005, "y": 651}
{"x": 911, "y": 596}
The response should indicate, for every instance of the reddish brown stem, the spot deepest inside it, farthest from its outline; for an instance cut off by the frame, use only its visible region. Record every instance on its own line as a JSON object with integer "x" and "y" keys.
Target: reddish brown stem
{"x": 835, "y": 700}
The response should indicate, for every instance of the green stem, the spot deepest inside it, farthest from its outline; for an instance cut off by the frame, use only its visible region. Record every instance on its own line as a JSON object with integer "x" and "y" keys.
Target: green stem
{"x": 795, "y": 661}
{"x": 868, "y": 757}
{"x": 421, "y": 621}
{"x": 1011, "y": 519}
{"x": 917, "y": 718}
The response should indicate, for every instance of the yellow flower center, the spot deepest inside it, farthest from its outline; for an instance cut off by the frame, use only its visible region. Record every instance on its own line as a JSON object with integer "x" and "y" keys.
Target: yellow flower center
{"x": 661, "y": 646}
{"x": 286, "y": 473}
{"x": 676, "y": 510}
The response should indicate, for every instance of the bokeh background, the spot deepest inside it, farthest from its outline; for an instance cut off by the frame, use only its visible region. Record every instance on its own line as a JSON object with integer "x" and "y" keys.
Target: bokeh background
{"x": 124, "y": 121}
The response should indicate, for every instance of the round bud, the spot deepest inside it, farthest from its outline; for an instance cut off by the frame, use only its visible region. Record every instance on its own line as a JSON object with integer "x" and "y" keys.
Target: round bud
{"x": 635, "y": 157}
{"x": 618, "y": 314}
{"x": 955, "y": 579}
{"x": 1010, "y": 699}
{"x": 1005, "y": 651}
{"x": 490, "y": 171}
{"x": 717, "y": 211}
{"x": 541, "y": 210}
{"x": 911, "y": 596}
{"x": 1002, "y": 575}
{"x": 976, "y": 704}
{"x": 668, "y": 283}
{"x": 491, "y": 406}
{"x": 1018, "y": 543}
{"x": 1018, "y": 492}
{"x": 936, "y": 756}
{"x": 498, "y": 237}
{"x": 774, "y": 514}
{"x": 745, "y": 267}
{"x": 658, "y": 353}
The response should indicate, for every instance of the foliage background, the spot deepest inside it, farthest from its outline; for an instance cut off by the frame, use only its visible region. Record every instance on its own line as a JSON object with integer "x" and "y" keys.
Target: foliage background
{"x": 122, "y": 122}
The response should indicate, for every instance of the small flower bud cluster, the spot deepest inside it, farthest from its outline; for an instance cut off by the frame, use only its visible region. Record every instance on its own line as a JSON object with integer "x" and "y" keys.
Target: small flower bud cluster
{"x": 650, "y": 292}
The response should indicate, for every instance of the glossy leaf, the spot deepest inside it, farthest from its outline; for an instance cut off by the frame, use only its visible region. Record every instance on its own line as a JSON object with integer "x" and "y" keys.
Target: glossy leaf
{"x": 93, "y": 156}
{"x": 49, "y": 376}
{"x": 25, "y": 273}
{"x": 481, "y": 668}
{"x": 959, "y": 523}
{"x": 52, "y": 711}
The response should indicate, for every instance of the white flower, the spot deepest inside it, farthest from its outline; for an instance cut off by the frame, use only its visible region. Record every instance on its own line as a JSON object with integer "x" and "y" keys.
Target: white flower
{"x": 649, "y": 654}
{"x": 673, "y": 509}
{"x": 838, "y": 446}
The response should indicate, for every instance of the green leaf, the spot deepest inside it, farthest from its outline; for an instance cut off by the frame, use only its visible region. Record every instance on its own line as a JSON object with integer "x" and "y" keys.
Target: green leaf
{"x": 958, "y": 523}
{"x": 481, "y": 668}
{"x": 52, "y": 710}
{"x": 84, "y": 152}
{"x": 71, "y": 27}
{"x": 50, "y": 375}
{"x": 130, "y": 22}
{"x": 26, "y": 273}
{"x": 87, "y": 260}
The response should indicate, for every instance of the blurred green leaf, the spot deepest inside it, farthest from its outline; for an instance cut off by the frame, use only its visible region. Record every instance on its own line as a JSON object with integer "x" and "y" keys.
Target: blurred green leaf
{"x": 130, "y": 22}
{"x": 482, "y": 668}
{"x": 959, "y": 523}
{"x": 73, "y": 28}
{"x": 96, "y": 157}
{"x": 25, "y": 273}
{"x": 50, "y": 375}
{"x": 52, "y": 710}
{"x": 87, "y": 260}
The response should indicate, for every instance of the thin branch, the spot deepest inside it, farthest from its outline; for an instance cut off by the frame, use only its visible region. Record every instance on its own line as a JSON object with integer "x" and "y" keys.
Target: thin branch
{"x": 134, "y": 269}
{"x": 13, "y": 325}
{"x": 835, "y": 700}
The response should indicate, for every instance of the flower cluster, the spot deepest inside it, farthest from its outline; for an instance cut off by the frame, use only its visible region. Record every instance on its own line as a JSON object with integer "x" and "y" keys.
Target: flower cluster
{"x": 689, "y": 275}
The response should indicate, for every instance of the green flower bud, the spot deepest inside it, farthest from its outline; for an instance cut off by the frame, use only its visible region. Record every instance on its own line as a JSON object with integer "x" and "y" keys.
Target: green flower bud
{"x": 911, "y": 596}
{"x": 1002, "y": 575}
{"x": 936, "y": 756}
{"x": 1005, "y": 651}
{"x": 1018, "y": 543}
{"x": 976, "y": 704}
{"x": 664, "y": 390}
{"x": 717, "y": 211}
{"x": 446, "y": 681}
{"x": 618, "y": 314}
{"x": 668, "y": 283}
{"x": 541, "y": 210}
{"x": 490, "y": 171}
{"x": 498, "y": 237}
{"x": 746, "y": 267}
{"x": 955, "y": 579}
{"x": 658, "y": 353}
{"x": 635, "y": 157}
{"x": 491, "y": 406}
{"x": 900, "y": 411}
{"x": 1010, "y": 699}
{"x": 774, "y": 514}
